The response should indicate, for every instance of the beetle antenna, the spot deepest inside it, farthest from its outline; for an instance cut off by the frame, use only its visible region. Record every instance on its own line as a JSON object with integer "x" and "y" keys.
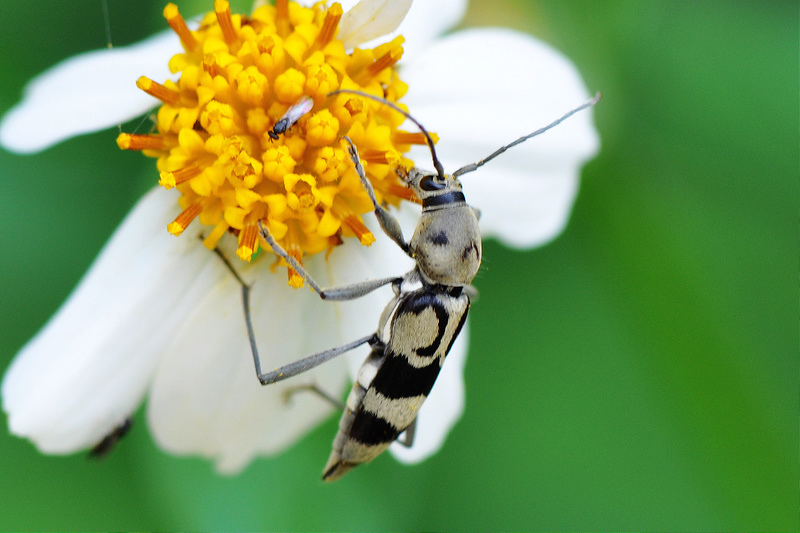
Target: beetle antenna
{"x": 436, "y": 163}
{"x": 474, "y": 166}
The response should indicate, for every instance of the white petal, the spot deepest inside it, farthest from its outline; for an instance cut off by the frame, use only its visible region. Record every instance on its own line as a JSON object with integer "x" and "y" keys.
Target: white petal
{"x": 206, "y": 399}
{"x": 480, "y": 89}
{"x": 370, "y": 19}
{"x": 87, "y": 93}
{"x": 531, "y": 209}
{"x": 88, "y": 369}
{"x": 425, "y": 21}
{"x": 442, "y": 409}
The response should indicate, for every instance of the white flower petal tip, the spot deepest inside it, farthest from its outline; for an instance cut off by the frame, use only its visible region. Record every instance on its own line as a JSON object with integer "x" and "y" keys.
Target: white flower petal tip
{"x": 480, "y": 89}
{"x": 86, "y": 93}
{"x": 89, "y": 367}
{"x": 370, "y": 19}
{"x": 426, "y": 21}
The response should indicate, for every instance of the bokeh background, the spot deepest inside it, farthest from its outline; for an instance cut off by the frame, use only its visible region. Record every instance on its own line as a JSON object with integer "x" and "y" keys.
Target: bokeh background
{"x": 639, "y": 373}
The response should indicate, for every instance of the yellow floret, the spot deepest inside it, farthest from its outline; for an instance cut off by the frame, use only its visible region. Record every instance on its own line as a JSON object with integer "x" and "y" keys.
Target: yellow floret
{"x": 217, "y": 142}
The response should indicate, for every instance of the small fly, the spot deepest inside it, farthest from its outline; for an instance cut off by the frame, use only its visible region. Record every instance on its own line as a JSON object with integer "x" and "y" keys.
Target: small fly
{"x": 292, "y": 115}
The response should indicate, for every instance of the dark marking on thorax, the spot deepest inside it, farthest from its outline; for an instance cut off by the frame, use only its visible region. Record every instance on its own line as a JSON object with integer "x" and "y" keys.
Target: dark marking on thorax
{"x": 440, "y": 239}
{"x": 445, "y": 199}
{"x": 470, "y": 249}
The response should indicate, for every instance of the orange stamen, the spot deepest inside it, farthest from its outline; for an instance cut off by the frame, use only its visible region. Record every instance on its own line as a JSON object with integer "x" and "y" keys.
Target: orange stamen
{"x": 132, "y": 141}
{"x": 329, "y": 25}
{"x": 385, "y": 61}
{"x": 178, "y": 25}
{"x": 333, "y": 241}
{"x": 184, "y": 219}
{"x": 403, "y": 192}
{"x": 295, "y": 279}
{"x": 282, "y": 17}
{"x": 354, "y": 105}
{"x": 380, "y": 157}
{"x": 405, "y": 137}
{"x": 223, "y": 10}
{"x": 176, "y": 177}
{"x": 210, "y": 65}
{"x": 364, "y": 235}
{"x": 247, "y": 242}
{"x": 156, "y": 90}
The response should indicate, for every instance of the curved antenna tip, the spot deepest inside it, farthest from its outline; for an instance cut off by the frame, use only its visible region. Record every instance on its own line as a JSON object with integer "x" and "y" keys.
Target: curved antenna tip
{"x": 436, "y": 163}
{"x": 474, "y": 166}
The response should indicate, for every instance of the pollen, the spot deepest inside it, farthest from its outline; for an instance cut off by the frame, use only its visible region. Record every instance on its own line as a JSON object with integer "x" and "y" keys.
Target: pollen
{"x": 247, "y": 132}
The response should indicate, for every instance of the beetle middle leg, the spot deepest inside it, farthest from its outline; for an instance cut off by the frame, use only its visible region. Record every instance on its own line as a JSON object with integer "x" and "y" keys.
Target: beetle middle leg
{"x": 341, "y": 293}
{"x": 388, "y": 223}
{"x": 408, "y": 435}
{"x": 313, "y": 387}
{"x": 307, "y": 363}
{"x": 406, "y": 439}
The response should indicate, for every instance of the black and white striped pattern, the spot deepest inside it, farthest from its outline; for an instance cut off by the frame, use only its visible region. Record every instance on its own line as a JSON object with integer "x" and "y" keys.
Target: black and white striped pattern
{"x": 407, "y": 353}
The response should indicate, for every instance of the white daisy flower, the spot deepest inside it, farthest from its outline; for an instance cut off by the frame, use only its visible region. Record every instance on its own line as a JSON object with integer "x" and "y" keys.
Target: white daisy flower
{"x": 160, "y": 317}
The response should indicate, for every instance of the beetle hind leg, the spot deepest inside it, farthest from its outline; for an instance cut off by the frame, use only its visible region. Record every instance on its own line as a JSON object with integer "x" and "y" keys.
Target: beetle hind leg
{"x": 406, "y": 438}
{"x": 313, "y": 387}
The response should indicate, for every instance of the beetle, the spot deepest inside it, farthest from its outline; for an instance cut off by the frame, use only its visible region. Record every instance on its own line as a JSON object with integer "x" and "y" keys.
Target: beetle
{"x": 419, "y": 324}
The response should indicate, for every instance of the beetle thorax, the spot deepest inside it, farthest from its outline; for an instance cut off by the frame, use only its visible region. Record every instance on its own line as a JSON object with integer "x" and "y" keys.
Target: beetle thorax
{"x": 447, "y": 246}
{"x": 447, "y": 243}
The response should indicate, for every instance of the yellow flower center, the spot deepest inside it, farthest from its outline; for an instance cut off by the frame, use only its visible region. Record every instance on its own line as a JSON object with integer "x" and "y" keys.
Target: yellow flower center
{"x": 249, "y": 134}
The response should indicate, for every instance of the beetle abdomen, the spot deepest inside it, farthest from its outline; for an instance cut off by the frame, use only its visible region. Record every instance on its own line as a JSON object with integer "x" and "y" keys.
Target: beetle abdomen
{"x": 397, "y": 377}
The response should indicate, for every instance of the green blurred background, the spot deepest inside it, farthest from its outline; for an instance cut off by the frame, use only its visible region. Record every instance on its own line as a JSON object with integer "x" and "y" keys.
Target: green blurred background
{"x": 647, "y": 378}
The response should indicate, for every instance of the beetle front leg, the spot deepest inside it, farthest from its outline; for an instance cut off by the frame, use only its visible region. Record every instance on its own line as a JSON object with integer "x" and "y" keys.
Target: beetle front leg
{"x": 307, "y": 363}
{"x": 389, "y": 223}
{"x": 343, "y": 292}
{"x": 313, "y": 387}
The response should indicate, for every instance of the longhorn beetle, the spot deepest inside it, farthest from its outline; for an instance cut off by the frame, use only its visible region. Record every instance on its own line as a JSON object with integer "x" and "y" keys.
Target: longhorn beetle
{"x": 422, "y": 320}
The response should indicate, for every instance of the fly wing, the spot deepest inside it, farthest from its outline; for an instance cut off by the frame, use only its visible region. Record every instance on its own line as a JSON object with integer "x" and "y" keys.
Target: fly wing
{"x": 296, "y": 112}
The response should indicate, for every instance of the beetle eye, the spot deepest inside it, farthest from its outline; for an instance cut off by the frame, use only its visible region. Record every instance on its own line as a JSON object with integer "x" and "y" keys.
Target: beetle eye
{"x": 431, "y": 183}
